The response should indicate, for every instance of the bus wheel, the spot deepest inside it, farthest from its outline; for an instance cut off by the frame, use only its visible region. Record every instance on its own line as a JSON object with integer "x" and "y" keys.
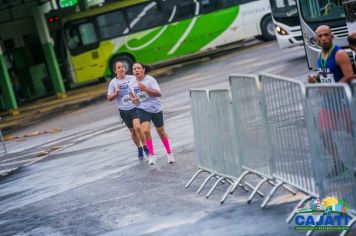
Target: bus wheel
{"x": 127, "y": 60}
{"x": 267, "y": 28}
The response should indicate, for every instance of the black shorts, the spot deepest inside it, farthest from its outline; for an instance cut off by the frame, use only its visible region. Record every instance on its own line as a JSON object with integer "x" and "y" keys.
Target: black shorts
{"x": 157, "y": 118}
{"x": 128, "y": 116}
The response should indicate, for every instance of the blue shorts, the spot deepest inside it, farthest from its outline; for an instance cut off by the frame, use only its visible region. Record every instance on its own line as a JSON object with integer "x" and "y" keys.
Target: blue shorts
{"x": 128, "y": 116}
{"x": 156, "y": 118}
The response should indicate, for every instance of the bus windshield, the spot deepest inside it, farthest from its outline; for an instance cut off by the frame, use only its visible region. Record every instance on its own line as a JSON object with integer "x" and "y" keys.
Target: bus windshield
{"x": 321, "y": 10}
{"x": 284, "y": 8}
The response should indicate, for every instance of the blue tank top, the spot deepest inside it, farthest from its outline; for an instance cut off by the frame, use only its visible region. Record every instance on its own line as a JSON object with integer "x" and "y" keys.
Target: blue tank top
{"x": 330, "y": 69}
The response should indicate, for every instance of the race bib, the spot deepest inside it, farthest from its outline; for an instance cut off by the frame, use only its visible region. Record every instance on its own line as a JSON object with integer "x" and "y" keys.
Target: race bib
{"x": 126, "y": 100}
{"x": 142, "y": 96}
{"x": 327, "y": 78}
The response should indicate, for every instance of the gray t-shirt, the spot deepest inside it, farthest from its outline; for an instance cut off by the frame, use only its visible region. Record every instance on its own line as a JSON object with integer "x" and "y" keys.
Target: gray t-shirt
{"x": 147, "y": 102}
{"x": 123, "y": 101}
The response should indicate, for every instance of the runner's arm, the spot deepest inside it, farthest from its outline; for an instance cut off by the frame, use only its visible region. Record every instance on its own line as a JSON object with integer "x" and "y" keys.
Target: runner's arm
{"x": 343, "y": 60}
{"x": 150, "y": 91}
{"x": 114, "y": 95}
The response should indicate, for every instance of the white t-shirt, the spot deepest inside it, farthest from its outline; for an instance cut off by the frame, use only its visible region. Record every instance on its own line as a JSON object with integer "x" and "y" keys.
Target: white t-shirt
{"x": 147, "y": 102}
{"x": 123, "y": 100}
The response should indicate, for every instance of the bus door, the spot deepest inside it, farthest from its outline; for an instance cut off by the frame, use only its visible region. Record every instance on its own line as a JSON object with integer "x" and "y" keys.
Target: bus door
{"x": 83, "y": 45}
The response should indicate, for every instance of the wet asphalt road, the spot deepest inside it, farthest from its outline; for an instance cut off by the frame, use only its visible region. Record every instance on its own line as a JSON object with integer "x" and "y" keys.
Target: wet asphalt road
{"x": 91, "y": 183}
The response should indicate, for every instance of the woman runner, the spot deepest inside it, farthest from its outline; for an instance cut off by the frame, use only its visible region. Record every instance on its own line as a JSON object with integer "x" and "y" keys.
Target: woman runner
{"x": 145, "y": 94}
{"x": 119, "y": 90}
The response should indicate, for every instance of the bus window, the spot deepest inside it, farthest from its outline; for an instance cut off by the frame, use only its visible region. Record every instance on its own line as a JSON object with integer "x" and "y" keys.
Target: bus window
{"x": 87, "y": 33}
{"x": 321, "y": 10}
{"x": 73, "y": 39}
{"x": 182, "y": 9}
{"x": 111, "y": 24}
{"x": 207, "y": 6}
{"x": 284, "y": 8}
{"x": 149, "y": 12}
{"x": 81, "y": 35}
{"x": 226, "y": 3}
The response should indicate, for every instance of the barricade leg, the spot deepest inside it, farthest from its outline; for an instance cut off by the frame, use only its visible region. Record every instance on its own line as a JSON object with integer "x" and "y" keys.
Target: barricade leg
{"x": 205, "y": 182}
{"x": 252, "y": 187}
{"x": 243, "y": 187}
{"x": 300, "y": 203}
{"x": 255, "y": 189}
{"x": 270, "y": 195}
{"x": 214, "y": 186}
{"x": 286, "y": 187}
{"x": 290, "y": 189}
{"x": 233, "y": 187}
{"x": 194, "y": 177}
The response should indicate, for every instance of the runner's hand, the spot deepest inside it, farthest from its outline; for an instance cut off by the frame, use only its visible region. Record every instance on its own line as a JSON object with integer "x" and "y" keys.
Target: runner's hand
{"x": 117, "y": 90}
{"x": 313, "y": 79}
{"x": 135, "y": 100}
{"x": 141, "y": 86}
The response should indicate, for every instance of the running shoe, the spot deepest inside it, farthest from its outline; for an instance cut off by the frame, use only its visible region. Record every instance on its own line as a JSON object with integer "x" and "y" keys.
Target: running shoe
{"x": 139, "y": 153}
{"x": 147, "y": 152}
{"x": 170, "y": 158}
{"x": 152, "y": 160}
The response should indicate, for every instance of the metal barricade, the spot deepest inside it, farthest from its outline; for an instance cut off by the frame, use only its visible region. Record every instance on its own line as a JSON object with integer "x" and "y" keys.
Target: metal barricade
{"x": 333, "y": 143}
{"x": 285, "y": 108}
{"x": 353, "y": 115}
{"x": 214, "y": 137}
{"x": 224, "y": 152}
{"x": 282, "y": 131}
{"x": 199, "y": 99}
{"x": 252, "y": 131}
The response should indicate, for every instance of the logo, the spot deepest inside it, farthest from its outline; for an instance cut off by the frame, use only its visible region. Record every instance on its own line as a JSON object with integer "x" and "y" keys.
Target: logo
{"x": 327, "y": 214}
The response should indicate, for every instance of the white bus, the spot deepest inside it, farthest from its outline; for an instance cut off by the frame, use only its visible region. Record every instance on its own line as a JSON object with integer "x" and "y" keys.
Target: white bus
{"x": 152, "y": 32}
{"x": 287, "y": 25}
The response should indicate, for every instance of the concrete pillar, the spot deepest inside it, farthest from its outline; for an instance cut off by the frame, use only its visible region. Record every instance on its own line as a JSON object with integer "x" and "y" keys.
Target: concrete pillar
{"x": 6, "y": 87}
{"x": 48, "y": 49}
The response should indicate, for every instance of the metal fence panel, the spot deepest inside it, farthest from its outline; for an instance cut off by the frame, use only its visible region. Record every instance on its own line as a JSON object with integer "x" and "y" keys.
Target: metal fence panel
{"x": 353, "y": 117}
{"x": 224, "y": 151}
{"x": 285, "y": 100}
{"x": 249, "y": 121}
{"x": 201, "y": 121}
{"x": 330, "y": 108}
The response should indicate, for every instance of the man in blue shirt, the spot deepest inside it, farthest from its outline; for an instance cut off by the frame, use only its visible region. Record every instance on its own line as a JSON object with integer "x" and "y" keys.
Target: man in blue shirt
{"x": 334, "y": 66}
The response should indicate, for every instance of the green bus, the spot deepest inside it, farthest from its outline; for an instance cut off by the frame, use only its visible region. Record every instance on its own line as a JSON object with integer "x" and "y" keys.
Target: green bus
{"x": 153, "y": 32}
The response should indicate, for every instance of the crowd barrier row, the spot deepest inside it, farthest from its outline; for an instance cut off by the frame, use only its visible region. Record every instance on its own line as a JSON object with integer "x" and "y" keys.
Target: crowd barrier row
{"x": 280, "y": 131}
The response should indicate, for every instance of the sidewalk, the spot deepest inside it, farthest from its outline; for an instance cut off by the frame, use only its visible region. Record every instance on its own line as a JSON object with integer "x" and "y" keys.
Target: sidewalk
{"x": 36, "y": 111}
